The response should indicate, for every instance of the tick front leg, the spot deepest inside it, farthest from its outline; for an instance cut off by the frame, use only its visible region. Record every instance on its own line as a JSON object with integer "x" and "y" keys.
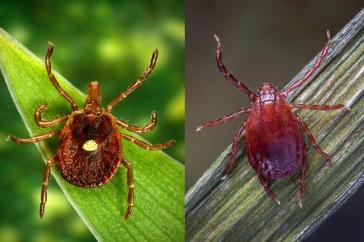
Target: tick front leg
{"x": 148, "y": 146}
{"x": 130, "y": 181}
{"x": 317, "y": 107}
{"x": 137, "y": 83}
{"x": 224, "y": 119}
{"x": 43, "y": 195}
{"x": 53, "y": 79}
{"x": 44, "y": 123}
{"x": 314, "y": 142}
{"x": 313, "y": 69}
{"x": 228, "y": 76}
{"x": 33, "y": 139}
{"x": 138, "y": 129}
{"x": 234, "y": 149}
{"x": 265, "y": 182}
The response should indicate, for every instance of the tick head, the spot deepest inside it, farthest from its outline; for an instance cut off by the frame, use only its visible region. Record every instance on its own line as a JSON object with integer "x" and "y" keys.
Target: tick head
{"x": 267, "y": 92}
{"x": 93, "y": 100}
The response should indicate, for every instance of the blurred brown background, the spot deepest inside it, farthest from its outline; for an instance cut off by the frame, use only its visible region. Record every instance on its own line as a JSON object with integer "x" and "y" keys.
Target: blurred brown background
{"x": 263, "y": 42}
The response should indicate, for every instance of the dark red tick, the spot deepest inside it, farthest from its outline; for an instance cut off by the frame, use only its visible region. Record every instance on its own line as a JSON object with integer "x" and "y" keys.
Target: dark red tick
{"x": 89, "y": 150}
{"x": 273, "y": 138}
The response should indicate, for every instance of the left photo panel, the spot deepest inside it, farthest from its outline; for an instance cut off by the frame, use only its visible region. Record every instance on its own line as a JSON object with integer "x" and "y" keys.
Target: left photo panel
{"x": 92, "y": 130}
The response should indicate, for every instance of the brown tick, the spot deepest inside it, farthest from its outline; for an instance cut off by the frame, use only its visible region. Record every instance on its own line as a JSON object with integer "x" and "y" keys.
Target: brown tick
{"x": 89, "y": 150}
{"x": 274, "y": 142}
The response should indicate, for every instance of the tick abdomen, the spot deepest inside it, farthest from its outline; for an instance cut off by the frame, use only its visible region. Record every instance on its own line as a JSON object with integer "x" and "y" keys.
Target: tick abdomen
{"x": 82, "y": 154}
{"x": 277, "y": 155}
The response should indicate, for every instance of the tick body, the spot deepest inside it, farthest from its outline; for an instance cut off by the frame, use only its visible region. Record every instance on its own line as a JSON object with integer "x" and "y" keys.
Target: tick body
{"x": 274, "y": 142}
{"x": 273, "y": 132}
{"x": 89, "y": 153}
{"x": 90, "y": 145}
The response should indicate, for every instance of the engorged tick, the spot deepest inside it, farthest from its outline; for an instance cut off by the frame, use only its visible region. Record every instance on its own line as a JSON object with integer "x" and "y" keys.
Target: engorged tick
{"x": 273, "y": 140}
{"x": 89, "y": 150}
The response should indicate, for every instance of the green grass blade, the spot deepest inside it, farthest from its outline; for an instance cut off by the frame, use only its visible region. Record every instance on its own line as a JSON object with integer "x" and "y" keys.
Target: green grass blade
{"x": 159, "y": 180}
{"x": 238, "y": 208}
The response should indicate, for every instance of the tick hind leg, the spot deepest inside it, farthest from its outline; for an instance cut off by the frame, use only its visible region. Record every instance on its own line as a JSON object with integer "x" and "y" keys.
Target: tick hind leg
{"x": 43, "y": 196}
{"x": 267, "y": 187}
{"x": 44, "y": 123}
{"x": 137, "y": 83}
{"x": 314, "y": 143}
{"x": 130, "y": 182}
{"x": 148, "y": 146}
{"x": 33, "y": 139}
{"x": 53, "y": 79}
{"x": 234, "y": 149}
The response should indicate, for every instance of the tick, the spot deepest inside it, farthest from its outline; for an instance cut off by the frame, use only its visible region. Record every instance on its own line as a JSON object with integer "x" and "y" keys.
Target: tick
{"x": 89, "y": 149}
{"x": 273, "y": 137}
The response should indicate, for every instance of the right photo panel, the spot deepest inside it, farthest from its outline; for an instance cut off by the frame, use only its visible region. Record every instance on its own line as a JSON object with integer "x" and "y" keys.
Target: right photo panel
{"x": 274, "y": 120}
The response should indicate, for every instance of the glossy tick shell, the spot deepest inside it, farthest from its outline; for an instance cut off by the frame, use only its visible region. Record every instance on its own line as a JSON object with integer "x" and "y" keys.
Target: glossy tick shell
{"x": 273, "y": 133}
{"x": 273, "y": 139}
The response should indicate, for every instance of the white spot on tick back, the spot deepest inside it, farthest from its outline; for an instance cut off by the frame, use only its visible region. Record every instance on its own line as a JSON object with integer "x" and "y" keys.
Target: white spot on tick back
{"x": 90, "y": 145}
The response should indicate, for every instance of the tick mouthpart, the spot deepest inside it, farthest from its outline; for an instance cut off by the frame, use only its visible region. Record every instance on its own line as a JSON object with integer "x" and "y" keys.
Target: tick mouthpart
{"x": 267, "y": 88}
{"x": 94, "y": 95}
{"x": 199, "y": 128}
{"x": 90, "y": 145}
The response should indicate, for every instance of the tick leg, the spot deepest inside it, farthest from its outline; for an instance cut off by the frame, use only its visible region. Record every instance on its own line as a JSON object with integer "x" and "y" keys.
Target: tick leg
{"x": 302, "y": 180}
{"x": 265, "y": 183}
{"x": 228, "y": 76}
{"x": 43, "y": 123}
{"x": 138, "y": 129}
{"x": 43, "y": 195}
{"x": 129, "y": 168}
{"x": 313, "y": 69}
{"x": 136, "y": 84}
{"x": 33, "y": 139}
{"x": 224, "y": 119}
{"x": 314, "y": 142}
{"x": 53, "y": 79}
{"x": 232, "y": 157}
{"x": 148, "y": 146}
{"x": 317, "y": 107}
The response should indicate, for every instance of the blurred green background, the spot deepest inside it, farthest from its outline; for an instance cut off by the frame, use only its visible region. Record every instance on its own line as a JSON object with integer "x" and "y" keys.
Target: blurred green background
{"x": 108, "y": 41}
